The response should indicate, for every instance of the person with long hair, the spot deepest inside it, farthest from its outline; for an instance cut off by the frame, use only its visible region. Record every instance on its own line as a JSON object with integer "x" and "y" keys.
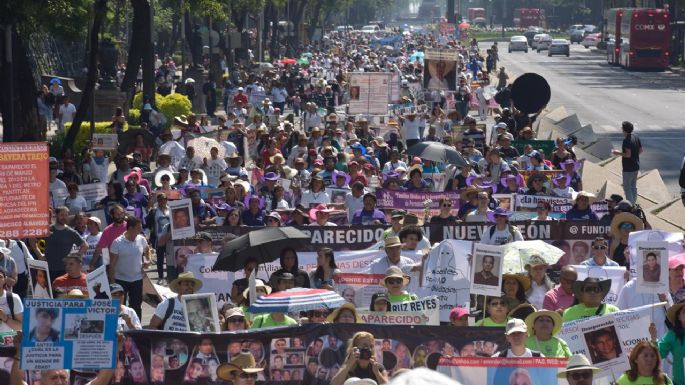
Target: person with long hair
{"x": 672, "y": 342}
{"x": 326, "y": 270}
{"x": 115, "y": 195}
{"x": 361, "y": 361}
{"x": 290, "y": 264}
{"x": 645, "y": 367}
{"x": 514, "y": 287}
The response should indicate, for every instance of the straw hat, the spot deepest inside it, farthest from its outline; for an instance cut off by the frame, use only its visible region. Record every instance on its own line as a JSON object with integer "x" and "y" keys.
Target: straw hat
{"x": 258, "y": 283}
{"x": 243, "y": 362}
{"x": 464, "y": 193}
{"x": 392, "y": 242}
{"x": 522, "y": 311}
{"x": 395, "y": 272}
{"x": 673, "y": 310}
{"x": 621, "y": 218}
{"x": 556, "y": 318}
{"x": 349, "y": 306}
{"x": 577, "y": 362}
{"x": 523, "y": 280}
{"x": 185, "y": 276}
{"x": 75, "y": 294}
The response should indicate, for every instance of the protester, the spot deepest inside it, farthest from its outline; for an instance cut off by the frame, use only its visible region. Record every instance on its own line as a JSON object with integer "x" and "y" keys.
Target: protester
{"x": 645, "y": 366}
{"x": 395, "y": 282}
{"x": 502, "y": 231}
{"x": 599, "y": 254}
{"x": 234, "y": 319}
{"x": 459, "y": 316}
{"x": 561, "y": 297}
{"x": 128, "y": 319}
{"x": 578, "y": 371}
{"x": 128, "y": 254}
{"x": 169, "y": 314}
{"x": 11, "y": 315}
{"x": 516, "y": 333}
{"x": 542, "y": 326}
{"x": 515, "y": 287}
{"x": 496, "y": 309}
{"x": 361, "y": 361}
{"x": 589, "y": 295}
{"x": 74, "y": 278}
{"x": 346, "y": 314}
{"x": 60, "y": 242}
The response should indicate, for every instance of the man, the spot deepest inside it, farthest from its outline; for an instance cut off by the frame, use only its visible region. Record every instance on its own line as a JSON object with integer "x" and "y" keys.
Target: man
{"x": 169, "y": 313}
{"x": 189, "y": 162}
{"x": 486, "y": 276}
{"x": 128, "y": 319}
{"x": 111, "y": 232}
{"x": 589, "y": 293}
{"x": 369, "y": 214}
{"x": 354, "y": 199}
{"x": 410, "y": 129}
{"x": 60, "y": 242}
{"x": 239, "y": 285}
{"x": 578, "y": 370}
{"x": 74, "y": 278}
{"x": 127, "y": 256}
{"x": 516, "y": 335}
{"x": 631, "y": 148}
{"x": 394, "y": 257}
{"x": 67, "y": 111}
{"x": 603, "y": 346}
{"x": 203, "y": 213}
{"x": 561, "y": 297}
{"x": 45, "y": 330}
{"x": 599, "y": 254}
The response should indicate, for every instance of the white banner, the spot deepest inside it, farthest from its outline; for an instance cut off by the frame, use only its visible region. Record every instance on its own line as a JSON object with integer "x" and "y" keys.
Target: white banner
{"x": 213, "y": 281}
{"x": 429, "y": 306}
{"x": 105, "y": 141}
{"x": 394, "y": 318}
{"x": 369, "y": 93}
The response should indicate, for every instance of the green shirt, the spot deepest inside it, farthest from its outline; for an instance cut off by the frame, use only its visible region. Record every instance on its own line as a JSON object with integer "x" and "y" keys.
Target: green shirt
{"x": 266, "y": 321}
{"x": 488, "y": 322}
{"x": 404, "y": 297}
{"x": 580, "y": 311}
{"x": 553, "y": 347}
{"x": 640, "y": 380}
{"x": 670, "y": 343}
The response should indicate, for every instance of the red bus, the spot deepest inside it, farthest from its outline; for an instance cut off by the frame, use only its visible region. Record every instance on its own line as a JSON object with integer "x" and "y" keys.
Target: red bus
{"x": 613, "y": 34}
{"x": 645, "y": 39}
{"x": 529, "y": 17}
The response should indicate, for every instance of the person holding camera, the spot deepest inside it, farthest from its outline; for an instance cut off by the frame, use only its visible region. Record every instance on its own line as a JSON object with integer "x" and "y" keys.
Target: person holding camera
{"x": 361, "y": 361}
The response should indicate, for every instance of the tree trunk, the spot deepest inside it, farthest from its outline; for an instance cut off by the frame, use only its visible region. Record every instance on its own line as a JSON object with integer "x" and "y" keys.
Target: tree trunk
{"x": 316, "y": 14}
{"x": 100, "y": 10}
{"x": 142, "y": 31}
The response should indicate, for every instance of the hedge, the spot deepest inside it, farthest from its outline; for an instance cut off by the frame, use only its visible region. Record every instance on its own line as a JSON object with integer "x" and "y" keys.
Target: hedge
{"x": 171, "y": 106}
{"x": 82, "y": 137}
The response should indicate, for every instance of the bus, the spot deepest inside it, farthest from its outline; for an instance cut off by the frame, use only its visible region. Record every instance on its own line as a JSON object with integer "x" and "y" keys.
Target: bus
{"x": 613, "y": 34}
{"x": 529, "y": 17}
{"x": 645, "y": 39}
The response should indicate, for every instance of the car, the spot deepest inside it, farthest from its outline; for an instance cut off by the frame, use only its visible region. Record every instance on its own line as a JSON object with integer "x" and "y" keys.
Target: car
{"x": 518, "y": 43}
{"x": 541, "y": 41}
{"x": 577, "y": 32}
{"x": 344, "y": 29}
{"x": 372, "y": 28}
{"x": 531, "y": 32}
{"x": 559, "y": 47}
{"x": 591, "y": 40}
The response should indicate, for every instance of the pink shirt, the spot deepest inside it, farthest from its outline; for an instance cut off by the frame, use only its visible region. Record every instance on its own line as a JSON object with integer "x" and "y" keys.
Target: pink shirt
{"x": 111, "y": 233}
{"x": 556, "y": 299}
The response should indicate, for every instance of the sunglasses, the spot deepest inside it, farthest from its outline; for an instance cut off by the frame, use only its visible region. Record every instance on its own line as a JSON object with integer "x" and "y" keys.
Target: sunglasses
{"x": 498, "y": 303}
{"x": 394, "y": 281}
{"x": 447, "y": 205}
{"x": 577, "y": 376}
{"x": 271, "y": 220}
{"x": 599, "y": 247}
{"x": 236, "y": 320}
{"x": 592, "y": 289}
{"x": 247, "y": 376}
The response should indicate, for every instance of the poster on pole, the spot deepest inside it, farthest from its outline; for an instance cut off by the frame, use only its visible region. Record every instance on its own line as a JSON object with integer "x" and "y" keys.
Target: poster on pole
{"x": 24, "y": 187}
{"x": 440, "y": 69}
{"x": 369, "y": 93}
{"x": 674, "y": 241}
{"x": 486, "y": 270}
{"x": 182, "y": 223}
{"x": 652, "y": 267}
{"x": 98, "y": 284}
{"x": 39, "y": 278}
{"x": 201, "y": 313}
{"x": 69, "y": 334}
{"x": 105, "y": 141}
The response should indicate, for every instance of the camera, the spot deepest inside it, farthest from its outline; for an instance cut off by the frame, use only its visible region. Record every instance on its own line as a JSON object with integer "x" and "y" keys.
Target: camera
{"x": 364, "y": 353}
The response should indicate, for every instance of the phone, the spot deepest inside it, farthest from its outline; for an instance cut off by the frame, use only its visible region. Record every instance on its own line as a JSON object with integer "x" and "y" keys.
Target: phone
{"x": 364, "y": 353}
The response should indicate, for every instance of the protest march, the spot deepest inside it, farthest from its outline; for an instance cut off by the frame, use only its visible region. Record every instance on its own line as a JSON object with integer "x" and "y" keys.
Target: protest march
{"x": 384, "y": 208}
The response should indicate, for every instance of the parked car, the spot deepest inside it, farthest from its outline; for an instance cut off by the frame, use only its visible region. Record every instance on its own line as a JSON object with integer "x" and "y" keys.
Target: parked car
{"x": 591, "y": 40}
{"x": 577, "y": 32}
{"x": 541, "y": 41}
{"x": 559, "y": 47}
{"x": 518, "y": 43}
{"x": 372, "y": 28}
{"x": 531, "y": 32}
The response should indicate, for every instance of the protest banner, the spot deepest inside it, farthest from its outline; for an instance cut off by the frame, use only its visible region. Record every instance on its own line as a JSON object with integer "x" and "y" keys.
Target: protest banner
{"x": 440, "y": 69}
{"x": 313, "y": 351}
{"x": 105, "y": 141}
{"x": 674, "y": 241}
{"x": 93, "y": 193}
{"x": 418, "y": 203}
{"x": 24, "y": 181}
{"x": 39, "y": 278}
{"x": 486, "y": 270}
{"x": 614, "y": 273}
{"x": 98, "y": 284}
{"x": 337, "y": 194}
{"x": 369, "y": 93}
{"x": 213, "y": 281}
{"x": 469, "y": 369}
{"x": 69, "y": 334}
{"x": 429, "y": 306}
{"x": 182, "y": 223}
{"x": 560, "y": 205}
{"x": 608, "y": 340}
{"x": 652, "y": 267}
{"x": 506, "y": 201}
{"x": 201, "y": 313}
{"x": 446, "y": 275}
{"x": 393, "y": 318}
{"x": 358, "y": 288}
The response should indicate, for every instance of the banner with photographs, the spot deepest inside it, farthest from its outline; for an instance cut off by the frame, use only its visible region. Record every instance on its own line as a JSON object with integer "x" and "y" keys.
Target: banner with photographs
{"x": 614, "y": 273}
{"x": 369, "y": 93}
{"x": 674, "y": 243}
{"x": 182, "y": 223}
{"x": 652, "y": 267}
{"x": 105, "y": 141}
{"x": 608, "y": 340}
{"x": 500, "y": 371}
{"x": 486, "y": 270}
{"x": 69, "y": 334}
{"x": 440, "y": 69}
{"x": 308, "y": 353}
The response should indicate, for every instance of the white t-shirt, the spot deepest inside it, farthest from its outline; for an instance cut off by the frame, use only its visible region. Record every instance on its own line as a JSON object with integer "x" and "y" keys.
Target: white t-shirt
{"x": 353, "y": 204}
{"x": 229, "y": 147}
{"x": 527, "y": 353}
{"x": 309, "y": 197}
{"x": 214, "y": 169}
{"x": 19, "y": 253}
{"x": 76, "y": 205}
{"x": 177, "y": 321}
{"x": 129, "y": 266}
{"x": 18, "y": 309}
{"x": 99, "y": 171}
{"x": 174, "y": 150}
{"x": 67, "y": 112}
{"x": 57, "y": 185}
{"x": 500, "y": 237}
{"x": 92, "y": 241}
{"x": 411, "y": 129}
{"x": 122, "y": 326}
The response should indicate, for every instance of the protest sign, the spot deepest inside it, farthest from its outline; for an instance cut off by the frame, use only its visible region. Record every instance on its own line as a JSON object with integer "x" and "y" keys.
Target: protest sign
{"x": 69, "y": 334}
{"x": 652, "y": 267}
{"x": 440, "y": 69}
{"x": 614, "y": 273}
{"x": 486, "y": 270}
{"x": 93, "y": 193}
{"x": 39, "y": 278}
{"x": 437, "y": 181}
{"x": 358, "y": 288}
{"x": 446, "y": 275}
{"x": 674, "y": 241}
{"x": 201, "y": 313}
{"x": 213, "y": 281}
{"x": 429, "y": 306}
{"x": 393, "y": 318}
{"x": 337, "y": 194}
{"x": 416, "y": 202}
{"x": 560, "y": 205}
{"x": 469, "y": 369}
{"x": 24, "y": 181}
{"x": 98, "y": 284}
{"x": 182, "y": 223}
{"x": 369, "y": 93}
{"x": 506, "y": 201}
{"x": 105, "y": 141}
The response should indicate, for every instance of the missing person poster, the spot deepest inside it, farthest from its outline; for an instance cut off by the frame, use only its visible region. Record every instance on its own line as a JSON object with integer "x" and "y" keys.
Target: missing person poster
{"x": 98, "y": 284}
{"x": 440, "y": 69}
{"x": 369, "y": 93}
{"x": 486, "y": 270}
{"x": 105, "y": 141}
{"x": 673, "y": 240}
{"x": 39, "y": 278}
{"x": 652, "y": 267}
{"x": 182, "y": 223}
{"x": 201, "y": 313}
{"x": 69, "y": 334}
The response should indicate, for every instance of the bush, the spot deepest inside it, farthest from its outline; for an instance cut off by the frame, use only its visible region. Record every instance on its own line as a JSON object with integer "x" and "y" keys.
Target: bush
{"x": 134, "y": 117}
{"x": 138, "y": 100}
{"x": 174, "y": 105}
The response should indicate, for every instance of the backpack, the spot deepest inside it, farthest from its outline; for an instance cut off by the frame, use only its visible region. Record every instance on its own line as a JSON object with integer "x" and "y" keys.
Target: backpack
{"x": 169, "y": 312}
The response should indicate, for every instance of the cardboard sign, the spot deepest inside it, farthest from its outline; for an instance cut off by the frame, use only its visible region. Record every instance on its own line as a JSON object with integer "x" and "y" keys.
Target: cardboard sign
{"x": 429, "y": 306}
{"x": 486, "y": 270}
{"x": 182, "y": 223}
{"x": 105, "y": 141}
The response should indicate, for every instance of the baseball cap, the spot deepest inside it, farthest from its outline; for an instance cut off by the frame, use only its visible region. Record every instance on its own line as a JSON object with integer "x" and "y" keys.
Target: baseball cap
{"x": 458, "y": 312}
{"x": 516, "y": 325}
{"x": 115, "y": 288}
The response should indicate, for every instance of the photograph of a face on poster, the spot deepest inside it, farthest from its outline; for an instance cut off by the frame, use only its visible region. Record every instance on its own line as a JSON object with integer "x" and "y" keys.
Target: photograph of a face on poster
{"x": 439, "y": 74}
{"x": 98, "y": 284}
{"x": 652, "y": 267}
{"x": 603, "y": 344}
{"x": 486, "y": 270}
{"x": 182, "y": 223}
{"x": 201, "y": 313}
{"x": 39, "y": 278}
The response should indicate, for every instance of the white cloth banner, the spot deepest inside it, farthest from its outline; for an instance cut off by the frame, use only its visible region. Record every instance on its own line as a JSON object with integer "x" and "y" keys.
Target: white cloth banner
{"x": 213, "y": 281}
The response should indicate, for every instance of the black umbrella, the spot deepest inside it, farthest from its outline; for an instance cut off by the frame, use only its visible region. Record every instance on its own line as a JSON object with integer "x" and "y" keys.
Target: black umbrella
{"x": 437, "y": 152}
{"x": 265, "y": 245}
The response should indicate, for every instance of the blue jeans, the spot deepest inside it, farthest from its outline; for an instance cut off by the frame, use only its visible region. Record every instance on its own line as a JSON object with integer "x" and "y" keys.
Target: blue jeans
{"x": 630, "y": 185}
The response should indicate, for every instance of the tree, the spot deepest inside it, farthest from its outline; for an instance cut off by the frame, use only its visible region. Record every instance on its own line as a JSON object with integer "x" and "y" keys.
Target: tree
{"x": 141, "y": 50}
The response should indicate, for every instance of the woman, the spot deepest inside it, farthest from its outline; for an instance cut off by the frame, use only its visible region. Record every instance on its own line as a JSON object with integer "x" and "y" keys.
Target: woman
{"x": 380, "y": 302}
{"x": 115, "y": 195}
{"x": 622, "y": 224}
{"x": 277, "y": 199}
{"x": 234, "y": 319}
{"x": 139, "y": 146}
{"x": 395, "y": 282}
{"x": 676, "y": 282}
{"x": 496, "y": 310}
{"x": 543, "y": 209}
{"x": 290, "y": 264}
{"x": 75, "y": 201}
{"x": 514, "y": 287}
{"x": 346, "y": 314}
{"x": 459, "y": 316}
{"x": 231, "y": 197}
{"x": 11, "y": 320}
{"x": 416, "y": 182}
{"x": 570, "y": 168}
{"x": 459, "y": 181}
{"x": 445, "y": 215}
{"x": 536, "y": 185}
{"x": 164, "y": 180}
{"x": 540, "y": 283}
{"x": 253, "y": 215}
{"x": 326, "y": 270}
{"x": 582, "y": 209}
{"x": 361, "y": 361}
{"x": 511, "y": 184}
{"x": 542, "y": 326}
{"x": 560, "y": 154}
{"x": 562, "y": 189}
{"x": 673, "y": 341}
{"x": 316, "y": 193}
{"x": 234, "y": 217}
{"x": 645, "y": 367}
{"x": 298, "y": 217}
{"x": 136, "y": 199}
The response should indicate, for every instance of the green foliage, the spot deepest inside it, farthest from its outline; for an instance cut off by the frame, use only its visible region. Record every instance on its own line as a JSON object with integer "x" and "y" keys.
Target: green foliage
{"x": 68, "y": 19}
{"x": 134, "y": 117}
{"x": 138, "y": 100}
{"x": 82, "y": 137}
{"x": 174, "y": 105}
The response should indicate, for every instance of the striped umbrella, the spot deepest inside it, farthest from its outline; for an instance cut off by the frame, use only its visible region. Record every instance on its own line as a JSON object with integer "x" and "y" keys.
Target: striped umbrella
{"x": 297, "y": 300}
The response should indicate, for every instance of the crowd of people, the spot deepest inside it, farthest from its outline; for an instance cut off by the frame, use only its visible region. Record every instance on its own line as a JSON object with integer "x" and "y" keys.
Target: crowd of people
{"x": 283, "y": 139}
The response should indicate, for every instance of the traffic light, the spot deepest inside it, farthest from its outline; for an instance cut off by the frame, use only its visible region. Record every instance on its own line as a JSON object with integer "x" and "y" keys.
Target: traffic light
{"x": 459, "y": 18}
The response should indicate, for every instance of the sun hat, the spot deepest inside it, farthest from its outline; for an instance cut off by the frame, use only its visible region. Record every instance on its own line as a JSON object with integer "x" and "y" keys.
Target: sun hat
{"x": 242, "y": 362}
{"x": 78, "y": 257}
{"x": 392, "y": 242}
{"x": 236, "y": 311}
{"x": 621, "y": 218}
{"x": 465, "y": 192}
{"x": 258, "y": 283}
{"x": 498, "y": 212}
{"x": 349, "y": 306}
{"x": 523, "y": 280}
{"x": 275, "y": 215}
{"x": 577, "y": 362}
{"x": 536, "y": 260}
{"x": 561, "y": 177}
{"x": 321, "y": 207}
{"x": 75, "y": 294}
{"x": 518, "y": 178}
{"x": 578, "y": 286}
{"x": 185, "y": 276}
{"x": 515, "y": 325}
{"x": 534, "y": 177}
{"x": 556, "y": 318}
{"x": 590, "y": 196}
{"x": 567, "y": 162}
{"x": 521, "y": 311}
{"x": 276, "y": 156}
{"x": 271, "y": 176}
{"x": 359, "y": 381}
{"x": 160, "y": 174}
{"x": 488, "y": 185}
{"x": 335, "y": 174}
{"x": 397, "y": 213}
{"x": 395, "y": 272}
{"x": 672, "y": 311}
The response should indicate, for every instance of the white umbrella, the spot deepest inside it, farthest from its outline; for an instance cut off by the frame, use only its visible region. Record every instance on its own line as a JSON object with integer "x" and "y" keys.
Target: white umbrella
{"x": 517, "y": 254}
{"x": 203, "y": 146}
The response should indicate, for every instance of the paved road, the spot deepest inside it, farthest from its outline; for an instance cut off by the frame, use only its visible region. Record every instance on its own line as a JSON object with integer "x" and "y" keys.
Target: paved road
{"x": 604, "y": 96}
